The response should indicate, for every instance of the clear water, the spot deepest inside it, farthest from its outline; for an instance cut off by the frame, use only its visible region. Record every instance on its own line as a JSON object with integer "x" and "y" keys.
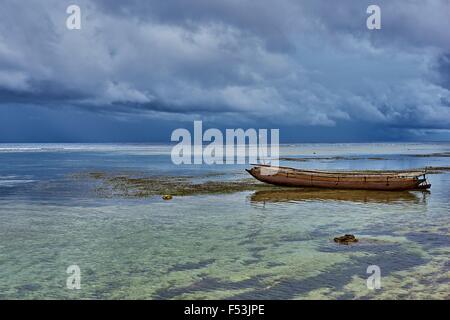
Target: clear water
{"x": 228, "y": 246}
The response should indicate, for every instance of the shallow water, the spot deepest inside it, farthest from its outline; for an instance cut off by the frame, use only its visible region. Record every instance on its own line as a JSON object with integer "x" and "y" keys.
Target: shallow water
{"x": 252, "y": 244}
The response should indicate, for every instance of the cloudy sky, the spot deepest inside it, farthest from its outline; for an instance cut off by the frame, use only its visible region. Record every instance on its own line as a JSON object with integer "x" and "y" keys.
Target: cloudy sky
{"x": 139, "y": 69}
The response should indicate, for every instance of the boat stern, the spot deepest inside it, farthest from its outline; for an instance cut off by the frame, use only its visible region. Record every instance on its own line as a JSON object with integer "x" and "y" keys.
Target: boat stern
{"x": 423, "y": 183}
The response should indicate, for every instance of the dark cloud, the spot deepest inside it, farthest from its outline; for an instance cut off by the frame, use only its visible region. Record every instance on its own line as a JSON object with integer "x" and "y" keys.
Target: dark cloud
{"x": 262, "y": 18}
{"x": 404, "y": 23}
{"x": 443, "y": 68}
{"x": 284, "y": 63}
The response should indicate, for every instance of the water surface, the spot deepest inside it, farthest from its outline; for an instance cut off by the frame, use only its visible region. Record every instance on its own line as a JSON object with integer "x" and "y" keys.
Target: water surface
{"x": 254, "y": 244}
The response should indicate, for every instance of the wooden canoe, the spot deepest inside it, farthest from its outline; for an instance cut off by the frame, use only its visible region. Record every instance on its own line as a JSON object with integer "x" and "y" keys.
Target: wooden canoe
{"x": 363, "y": 180}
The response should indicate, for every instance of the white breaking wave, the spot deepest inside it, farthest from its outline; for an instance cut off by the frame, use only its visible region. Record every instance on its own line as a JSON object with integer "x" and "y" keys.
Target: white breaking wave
{"x": 82, "y": 147}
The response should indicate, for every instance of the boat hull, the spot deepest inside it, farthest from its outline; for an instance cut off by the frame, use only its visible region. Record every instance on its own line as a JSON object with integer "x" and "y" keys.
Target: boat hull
{"x": 299, "y": 178}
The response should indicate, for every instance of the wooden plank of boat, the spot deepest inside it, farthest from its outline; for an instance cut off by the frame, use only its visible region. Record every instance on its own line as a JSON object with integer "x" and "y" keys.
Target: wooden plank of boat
{"x": 365, "y": 180}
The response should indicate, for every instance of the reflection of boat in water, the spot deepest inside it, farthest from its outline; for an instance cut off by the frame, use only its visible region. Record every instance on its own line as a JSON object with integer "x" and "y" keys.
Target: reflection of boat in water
{"x": 314, "y": 194}
{"x": 364, "y": 180}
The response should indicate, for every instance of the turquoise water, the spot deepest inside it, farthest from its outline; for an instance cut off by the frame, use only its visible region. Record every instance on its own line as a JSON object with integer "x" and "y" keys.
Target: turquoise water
{"x": 252, "y": 244}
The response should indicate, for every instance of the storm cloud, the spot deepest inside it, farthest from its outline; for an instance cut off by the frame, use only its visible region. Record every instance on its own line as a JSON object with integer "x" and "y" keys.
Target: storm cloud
{"x": 280, "y": 63}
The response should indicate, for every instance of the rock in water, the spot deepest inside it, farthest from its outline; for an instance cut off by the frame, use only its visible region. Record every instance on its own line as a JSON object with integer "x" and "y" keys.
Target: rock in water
{"x": 346, "y": 239}
{"x": 167, "y": 197}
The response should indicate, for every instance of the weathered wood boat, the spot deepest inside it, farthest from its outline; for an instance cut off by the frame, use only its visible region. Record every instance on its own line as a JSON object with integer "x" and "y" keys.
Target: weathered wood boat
{"x": 364, "y": 180}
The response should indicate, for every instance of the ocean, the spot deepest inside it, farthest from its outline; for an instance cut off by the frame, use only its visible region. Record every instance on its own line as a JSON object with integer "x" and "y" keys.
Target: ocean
{"x": 62, "y": 205}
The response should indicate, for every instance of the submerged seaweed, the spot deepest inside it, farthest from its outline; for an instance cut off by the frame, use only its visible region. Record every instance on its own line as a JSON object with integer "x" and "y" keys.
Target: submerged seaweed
{"x": 130, "y": 185}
